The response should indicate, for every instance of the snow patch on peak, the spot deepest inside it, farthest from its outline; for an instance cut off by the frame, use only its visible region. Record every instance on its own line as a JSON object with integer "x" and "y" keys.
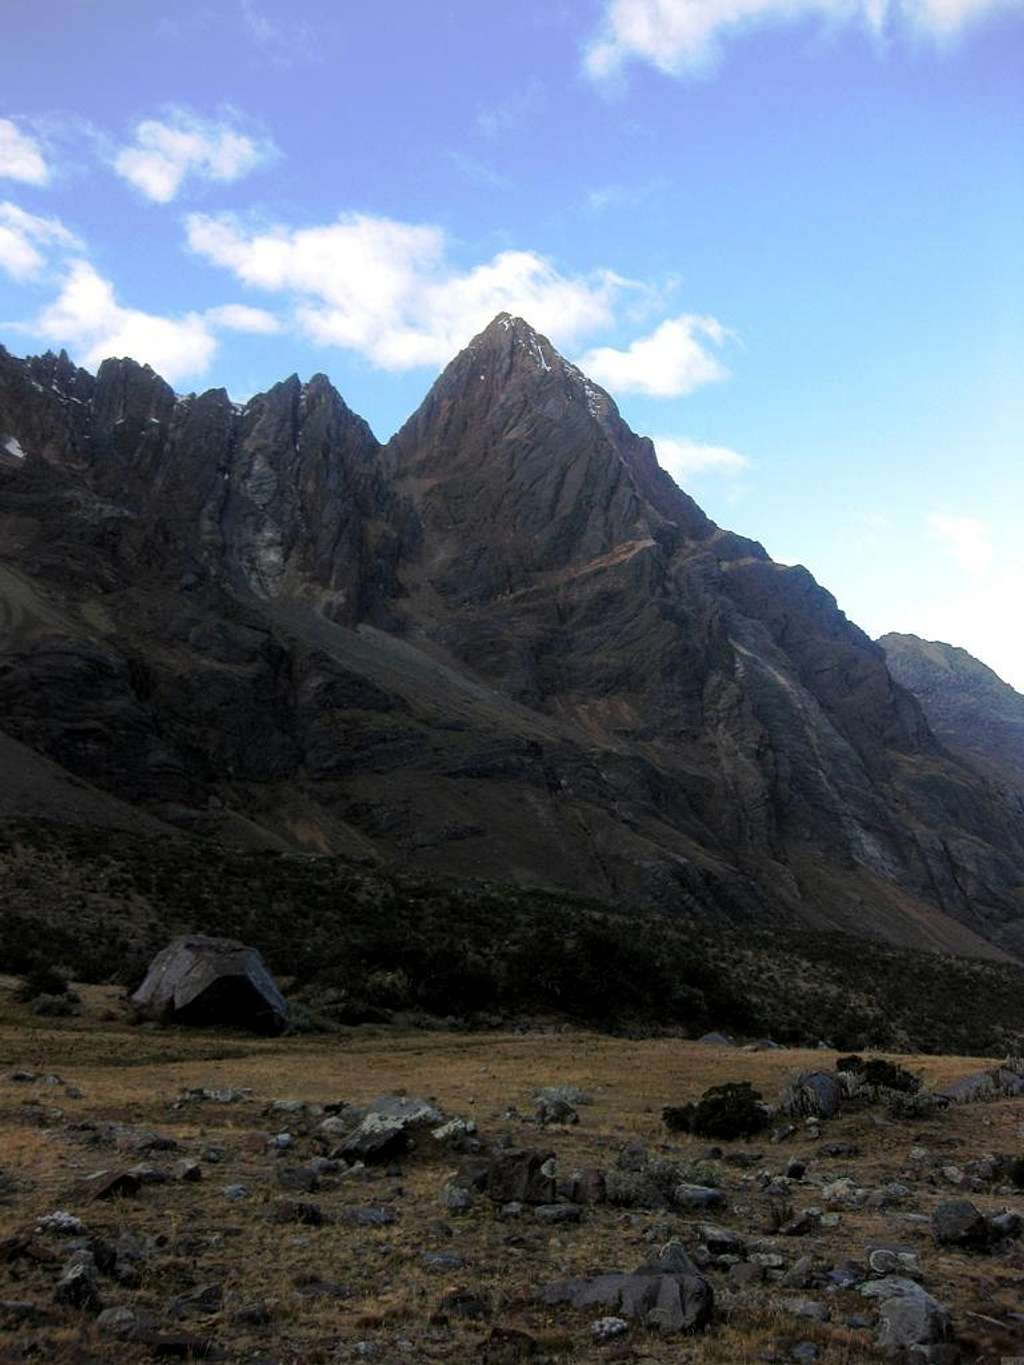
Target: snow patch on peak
{"x": 13, "y": 447}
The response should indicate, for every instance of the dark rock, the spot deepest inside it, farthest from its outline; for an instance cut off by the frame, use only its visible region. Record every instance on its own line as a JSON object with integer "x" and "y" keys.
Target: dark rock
{"x": 297, "y": 1211}
{"x": 507, "y": 1346}
{"x": 77, "y": 1286}
{"x": 697, "y": 1197}
{"x": 298, "y": 1178}
{"x": 745, "y": 1274}
{"x": 252, "y": 1315}
{"x": 106, "y": 1185}
{"x": 442, "y": 1261}
{"x": 804, "y": 1308}
{"x": 958, "y": 1222}
{"x": 457, "y": 1199}
{"x": 201, "y": 1302}
{"x": 525, "y": 1177}
{"x": 800, "y": 1275}
{"x": 464, "y": 1303}
{"x": 557, "y": 1213}
{"x": 368, "y": 1217}
{"x": 670, "y": 1295}
{"x": 558, "y": 1111}
{"x": 120, "y": 1321}
{"x": 817, "y": 1094}
{"x": 21, "y": 1313}
{"x": 912, "y": 1319}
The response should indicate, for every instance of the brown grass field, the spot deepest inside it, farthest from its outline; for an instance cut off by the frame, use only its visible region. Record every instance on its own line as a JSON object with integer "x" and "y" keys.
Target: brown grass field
{"x": 134, "y": 1075}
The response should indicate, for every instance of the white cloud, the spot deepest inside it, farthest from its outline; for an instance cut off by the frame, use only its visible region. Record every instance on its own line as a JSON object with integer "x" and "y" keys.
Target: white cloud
{"x": 165, "y": 152}
{"x": 282, "y": 44}
{"x": 969, "y": 539}
{"x": 685, "y": 459}
{"x": 87, "y": 318}
{"x": 680, "y": 35}
{"x": 674, "y": 359}
{"x": 25, "y": 238}
{"x": 388, "y": 290}
{"x": 20, "y": 156}
{"x": 239, "y": 317}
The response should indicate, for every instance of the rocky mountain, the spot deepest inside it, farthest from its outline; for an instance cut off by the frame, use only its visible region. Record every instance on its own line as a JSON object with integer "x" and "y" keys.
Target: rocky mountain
{"x": 968, "y": 706}
{"x": 505, "y": 645}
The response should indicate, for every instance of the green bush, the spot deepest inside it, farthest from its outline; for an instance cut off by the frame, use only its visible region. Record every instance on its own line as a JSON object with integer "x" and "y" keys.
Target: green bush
{"x": 729, "y": 1111}
{"x": 42, "y": 979}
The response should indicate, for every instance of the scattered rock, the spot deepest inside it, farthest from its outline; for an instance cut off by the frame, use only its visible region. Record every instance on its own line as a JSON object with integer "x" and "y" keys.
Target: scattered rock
{"x": 958, "y": 1222}
{"x": 368, "y": 1217}
{"x": 697, "y": 1197}
{"x": 77, "y": 1286}
{"x": 557, "y": 1213}
{"x": 815, "y": 1094}
{"x": 457, "y": 1199}
{"x": 607, "y": 1329}
{"x": 106, "y": 1185}
{"x": 804, "y": 1308}
{"x": 201, "y": 1302}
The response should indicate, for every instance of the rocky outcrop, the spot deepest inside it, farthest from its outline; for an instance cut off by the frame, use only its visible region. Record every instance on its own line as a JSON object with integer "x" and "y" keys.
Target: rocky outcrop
{"x": 505, "y": 644}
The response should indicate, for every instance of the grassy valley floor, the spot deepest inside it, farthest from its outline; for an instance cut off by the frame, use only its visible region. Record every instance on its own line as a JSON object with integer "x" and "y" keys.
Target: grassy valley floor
{"x": 389, "y": 1306}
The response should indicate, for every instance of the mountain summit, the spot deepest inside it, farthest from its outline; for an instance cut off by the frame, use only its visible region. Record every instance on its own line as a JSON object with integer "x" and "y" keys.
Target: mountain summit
{"x": 505, "y": 644}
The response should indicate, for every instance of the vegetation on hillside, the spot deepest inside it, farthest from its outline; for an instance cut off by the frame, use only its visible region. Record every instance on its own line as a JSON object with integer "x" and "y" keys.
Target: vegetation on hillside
{"x": 357, "y": 943}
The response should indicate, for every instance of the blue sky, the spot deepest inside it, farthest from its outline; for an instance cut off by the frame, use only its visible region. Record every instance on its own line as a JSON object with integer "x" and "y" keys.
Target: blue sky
{"x": 787, "y": 235}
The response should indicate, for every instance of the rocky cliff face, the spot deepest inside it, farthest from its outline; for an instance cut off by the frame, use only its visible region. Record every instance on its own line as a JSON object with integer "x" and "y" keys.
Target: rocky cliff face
{"x": 506, "y": 644}
{"x": 968, "y": 706}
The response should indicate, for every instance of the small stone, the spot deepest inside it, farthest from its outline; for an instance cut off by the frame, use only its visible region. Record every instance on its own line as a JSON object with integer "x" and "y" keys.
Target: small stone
{"x": 697, "y": 1197}
{"x": 188, "y": 1172}
{"x": 744, "y": 1274}
{"x": 236, "y": 1191}
{"x": 368, "y": 1217}
{"x": 63, "y": 1224}
{"x": 958, "y": 1222}
{"x": 298, "y": 1178}
{"x": 465, "y": 1303}
{"x": 77, "y": 1287}
{"x": 799, "y": 1274}
{"x": 804, "y": 1308}
{"x": 251, "y": 1315}
{"x": 201, "y": 1302}
{"x": 557, "y": 1213}
{"x": 607, "y": 1329}
{"x": 457, "y": 1200}
{"x": 442, "y": 1262}
{"x": 120, "y": 1321}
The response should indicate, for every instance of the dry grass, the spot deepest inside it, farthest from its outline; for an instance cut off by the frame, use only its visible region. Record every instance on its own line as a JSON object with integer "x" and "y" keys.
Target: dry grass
{"x": 131, "y": 1075}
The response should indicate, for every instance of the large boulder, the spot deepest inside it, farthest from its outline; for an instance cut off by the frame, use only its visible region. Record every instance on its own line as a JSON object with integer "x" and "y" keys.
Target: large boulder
{"x": 669, "y": 1294}
{"x": 212, "y": 981}
{"x": 815, "y": 1094}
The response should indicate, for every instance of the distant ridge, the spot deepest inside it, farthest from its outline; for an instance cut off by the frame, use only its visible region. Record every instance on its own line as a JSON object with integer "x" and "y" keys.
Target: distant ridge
{"x": 968, "y": 705}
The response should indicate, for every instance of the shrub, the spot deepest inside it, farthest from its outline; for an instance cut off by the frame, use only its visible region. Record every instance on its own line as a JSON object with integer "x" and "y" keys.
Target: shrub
{"x": 42, "y": 979}
{"x": 878, "y": 1074}
{"x": 678, "y": 1118}
{"x": 729, "y": 1111}
{"x": 1016, "y": 1173}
